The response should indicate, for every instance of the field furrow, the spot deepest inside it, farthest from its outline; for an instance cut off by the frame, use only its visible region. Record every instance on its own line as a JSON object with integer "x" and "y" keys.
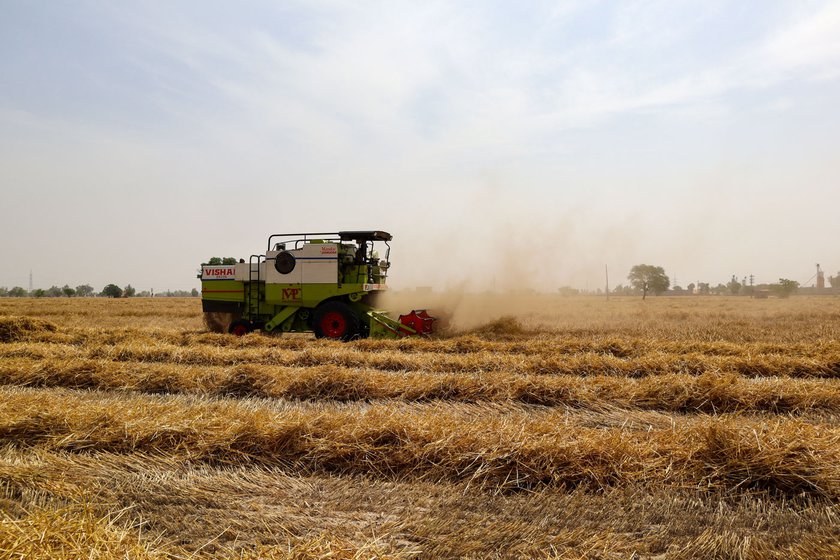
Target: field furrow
{"x": 586, "y": 364}
{"x": 250, "y": 507}
{"x": 709, "y": 392}
{"x": 534, "y": 343}
{"x": 435, "y": 443}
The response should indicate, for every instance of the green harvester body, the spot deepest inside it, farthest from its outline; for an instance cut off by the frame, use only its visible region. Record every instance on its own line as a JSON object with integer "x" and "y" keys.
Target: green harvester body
{"x": 322, "y": 282}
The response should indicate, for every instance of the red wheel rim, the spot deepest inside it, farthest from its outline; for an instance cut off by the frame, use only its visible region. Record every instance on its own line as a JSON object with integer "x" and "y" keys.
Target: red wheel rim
{"x": 240, "y": 330}
{"x": 334, "y": 324}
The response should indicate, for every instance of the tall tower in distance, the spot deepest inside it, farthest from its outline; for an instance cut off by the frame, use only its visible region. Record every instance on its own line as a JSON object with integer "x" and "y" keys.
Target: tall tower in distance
{"x": 30, "y": 280}
{"x": 820, "y": 278}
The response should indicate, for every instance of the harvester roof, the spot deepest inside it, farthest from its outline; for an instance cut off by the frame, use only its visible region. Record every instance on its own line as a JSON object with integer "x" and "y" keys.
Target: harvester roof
{"x": 357, "y": 236}
{"x": 364, "y": 236}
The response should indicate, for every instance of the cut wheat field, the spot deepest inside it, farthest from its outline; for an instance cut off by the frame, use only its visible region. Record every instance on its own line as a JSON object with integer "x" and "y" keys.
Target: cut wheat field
{"x": 529, "y": 427}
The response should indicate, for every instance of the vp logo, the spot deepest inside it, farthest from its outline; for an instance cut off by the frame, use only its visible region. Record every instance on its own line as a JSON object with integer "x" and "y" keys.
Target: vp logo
{"x": 292, "y": 293}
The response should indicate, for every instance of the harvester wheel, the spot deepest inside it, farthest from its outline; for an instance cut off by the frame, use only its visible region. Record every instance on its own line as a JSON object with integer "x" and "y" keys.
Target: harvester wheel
{"x": 240, "y": 327}
{"x": 335, "y": 319}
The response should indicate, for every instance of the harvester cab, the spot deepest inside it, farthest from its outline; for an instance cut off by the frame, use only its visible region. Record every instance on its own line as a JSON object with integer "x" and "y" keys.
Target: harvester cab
{"x": 321, "y": 282}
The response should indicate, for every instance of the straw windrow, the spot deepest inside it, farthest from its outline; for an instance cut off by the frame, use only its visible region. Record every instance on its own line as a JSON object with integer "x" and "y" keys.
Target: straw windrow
{"x": 436, "y": 442}
{"x": 709, "y": 392}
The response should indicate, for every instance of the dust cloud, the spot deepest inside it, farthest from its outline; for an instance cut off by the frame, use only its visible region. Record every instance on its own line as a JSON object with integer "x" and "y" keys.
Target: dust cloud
{"x": 460, "y": 311}
{"x": 497, "y": 255}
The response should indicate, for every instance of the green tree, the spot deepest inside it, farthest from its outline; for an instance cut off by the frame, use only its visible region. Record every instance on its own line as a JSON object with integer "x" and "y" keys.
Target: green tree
{"x": 84, "y": 290}
{"x": 734, "y": 286}
{"x": 112, "y": 291}
{"x": 128, "y": 291}
{"x": 648, "y": 278}
{"x": 785, "y": 287}
{"x": 54, "y": 291}
{"x": 68, "y": 291}
{"x": 39, "y": 293}
{"x": 17, "y": 291}
{"x": 623, "y": 290}
{"x": 193, "y": 293}
{"x": 221, "y": 260}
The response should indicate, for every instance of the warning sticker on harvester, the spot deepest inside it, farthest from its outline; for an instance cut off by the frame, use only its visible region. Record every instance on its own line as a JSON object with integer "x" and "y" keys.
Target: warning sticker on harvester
{"x": 372, "y": 287}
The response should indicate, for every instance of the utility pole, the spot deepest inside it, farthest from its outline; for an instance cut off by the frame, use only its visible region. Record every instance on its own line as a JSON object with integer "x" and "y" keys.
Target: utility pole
{"x": 30, "y": 281}
{"x": 607, "y": 277}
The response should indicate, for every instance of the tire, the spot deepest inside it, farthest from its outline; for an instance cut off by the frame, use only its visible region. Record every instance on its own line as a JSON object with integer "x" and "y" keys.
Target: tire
{"x": 240, "y": 327}
{"x": 335, "y": 320}
{"x": 284, "y": 262}
{"x": 364, "y": 330}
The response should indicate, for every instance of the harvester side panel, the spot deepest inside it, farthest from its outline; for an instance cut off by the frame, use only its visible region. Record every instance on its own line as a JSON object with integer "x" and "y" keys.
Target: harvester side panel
{"x": 319, "y": 263}
{"x": 219, "y": 283}
{"x": 315, "y": 263}
{"x": 310, "y": 295}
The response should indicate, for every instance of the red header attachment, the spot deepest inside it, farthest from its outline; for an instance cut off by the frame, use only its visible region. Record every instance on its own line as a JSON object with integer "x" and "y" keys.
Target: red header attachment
{"x": 418, "y": 320}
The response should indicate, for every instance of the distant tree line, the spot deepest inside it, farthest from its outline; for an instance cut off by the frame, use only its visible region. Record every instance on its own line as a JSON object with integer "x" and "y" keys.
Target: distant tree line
{"x": 645, "y": 279}
{"x": 86, "y": 290}
{"x": 111, "y": 290}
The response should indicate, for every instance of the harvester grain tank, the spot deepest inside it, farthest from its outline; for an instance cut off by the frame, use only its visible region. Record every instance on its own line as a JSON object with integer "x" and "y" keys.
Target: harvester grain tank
{"x": 322, "y": 282}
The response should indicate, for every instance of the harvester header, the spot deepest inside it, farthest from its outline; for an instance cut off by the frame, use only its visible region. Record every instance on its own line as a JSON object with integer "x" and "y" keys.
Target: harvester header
{"x": 321, "y": 282}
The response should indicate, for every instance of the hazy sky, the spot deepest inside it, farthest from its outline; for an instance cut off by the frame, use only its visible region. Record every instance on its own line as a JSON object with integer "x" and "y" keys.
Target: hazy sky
{"x": 515, "y": 143}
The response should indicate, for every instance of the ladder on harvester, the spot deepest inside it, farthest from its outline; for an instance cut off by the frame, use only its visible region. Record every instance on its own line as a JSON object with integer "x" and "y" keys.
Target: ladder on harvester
{"x": 252, "y": 289}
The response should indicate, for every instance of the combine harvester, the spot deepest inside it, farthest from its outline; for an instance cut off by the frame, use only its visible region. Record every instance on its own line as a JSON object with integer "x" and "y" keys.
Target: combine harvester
{"x": 321, "y": 282}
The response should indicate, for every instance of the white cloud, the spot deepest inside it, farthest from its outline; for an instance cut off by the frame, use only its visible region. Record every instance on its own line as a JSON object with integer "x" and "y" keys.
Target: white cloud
{"x": 811, "y": 44}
